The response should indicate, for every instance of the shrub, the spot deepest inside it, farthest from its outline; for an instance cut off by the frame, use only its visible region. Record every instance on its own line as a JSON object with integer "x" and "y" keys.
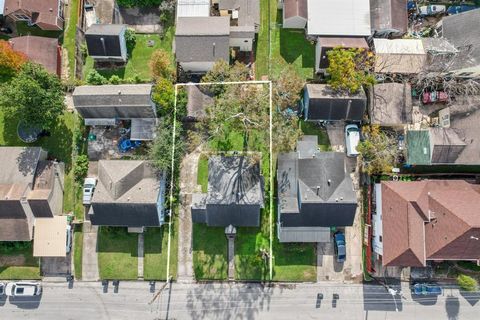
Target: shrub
{"x": 130, "y": 39}
{"x": 163, "y": 94}
{"x": 115, "y": 79}
{"x": 81, "y": 167}
{"x": 161, "y": 65}
{"x": 467, "y": 283}
{"x": 95, "y": 78}
{"x": 139, "y": 3}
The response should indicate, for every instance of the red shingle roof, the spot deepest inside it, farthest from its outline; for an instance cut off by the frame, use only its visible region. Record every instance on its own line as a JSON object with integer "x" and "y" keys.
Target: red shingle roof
{"x": 429, "y": 220}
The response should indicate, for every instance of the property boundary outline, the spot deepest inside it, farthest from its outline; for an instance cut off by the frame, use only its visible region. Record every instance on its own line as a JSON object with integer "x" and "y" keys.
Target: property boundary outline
{"x": 270, "y": 219}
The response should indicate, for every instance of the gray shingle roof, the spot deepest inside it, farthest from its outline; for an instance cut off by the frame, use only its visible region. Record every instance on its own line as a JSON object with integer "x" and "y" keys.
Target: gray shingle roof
{"x": 463, "y": 29}
{"x": 105, "y": 29}
{"x": 248, "y": 10}
{"x": 392, "y": 104}
{"x": 202, "y": 26}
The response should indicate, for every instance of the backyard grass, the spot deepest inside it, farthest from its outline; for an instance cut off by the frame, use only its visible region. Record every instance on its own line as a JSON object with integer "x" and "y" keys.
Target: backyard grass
{"x": 156, "y": 251}
{"x": 310, "y": 128}
{"x": 69, "y": 37}
{"x": 24, "y": 30}
{"x": 202, "y": 174}
{"x": 17, "y": 261}
{"x": 249, "y": 264}
{"x": 117, "y": 254}
{"x": 209, "y": 252}
{"x": 288, "y": 46}
{"x": 78, "y": 250}
{"x": 138, "y": 61}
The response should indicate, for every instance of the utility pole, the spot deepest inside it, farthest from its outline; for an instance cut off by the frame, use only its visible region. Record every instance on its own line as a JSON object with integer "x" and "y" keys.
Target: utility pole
{"x": 160, "y": 290}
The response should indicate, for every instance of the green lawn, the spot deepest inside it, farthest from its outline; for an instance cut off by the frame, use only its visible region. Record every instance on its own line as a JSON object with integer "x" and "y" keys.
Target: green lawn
{"x": 249, "y": 264}
{"x": 310, "y": 128}
{"x": 70, "y": 32}
{"x": 22, "y": 252}
{"x": 294, "y": 262}
{"x": 117, "y": 254}
{"x": 156, "y": 249}
{"x": 209, "y": 252}
{"x": 202, "y": 174}
{"x": 288, "y": 46}
{"x": 138, "y": 62}
{"x": 78, "y": 251}
{"x": 24, "y": 30}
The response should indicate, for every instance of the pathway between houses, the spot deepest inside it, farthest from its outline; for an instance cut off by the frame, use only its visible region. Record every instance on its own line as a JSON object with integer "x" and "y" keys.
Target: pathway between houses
{"x": 188, "y": 185}
{"x": 90, "y": 257}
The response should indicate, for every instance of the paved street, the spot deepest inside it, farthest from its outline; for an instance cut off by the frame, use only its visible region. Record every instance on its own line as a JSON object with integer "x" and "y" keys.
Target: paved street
{"x": 242, "y": 301}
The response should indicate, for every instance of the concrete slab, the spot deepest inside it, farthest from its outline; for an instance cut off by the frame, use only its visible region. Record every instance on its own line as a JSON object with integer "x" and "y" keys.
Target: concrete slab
{"x": 140, "y": 253}
{"x": 55, "y": 266}
{"x": 90, "y": 257}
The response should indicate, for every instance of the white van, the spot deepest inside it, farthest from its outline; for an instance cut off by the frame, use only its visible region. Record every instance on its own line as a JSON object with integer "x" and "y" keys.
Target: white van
{"x": 352, "y": 138}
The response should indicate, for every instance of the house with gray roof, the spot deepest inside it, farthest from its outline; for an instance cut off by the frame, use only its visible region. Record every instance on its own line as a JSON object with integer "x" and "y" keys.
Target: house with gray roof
{"x": 462, "y": 31}
{"x": 315, "y": 193}
{"x": 107, "y": 104}
{"x": 106, "y": 42}
{"x": 200, "y": 42}
{"x": 30, "y": 187}
{"x": 129, "y": 193}
{"x": 389, "y": 18}
{"x": 241, "y": 12}
{"x": 235, "y": 193}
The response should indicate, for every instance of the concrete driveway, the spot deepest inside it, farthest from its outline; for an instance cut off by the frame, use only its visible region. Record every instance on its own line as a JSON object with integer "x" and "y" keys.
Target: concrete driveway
{"x": 56, "y": 266}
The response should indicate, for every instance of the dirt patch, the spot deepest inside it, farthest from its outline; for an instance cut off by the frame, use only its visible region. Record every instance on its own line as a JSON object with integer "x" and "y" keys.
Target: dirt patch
{"x": 18, "y": 260}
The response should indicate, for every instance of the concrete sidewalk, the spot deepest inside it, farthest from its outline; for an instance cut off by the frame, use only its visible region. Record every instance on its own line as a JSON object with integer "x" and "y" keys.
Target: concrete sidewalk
{"x": 90, "y": 258}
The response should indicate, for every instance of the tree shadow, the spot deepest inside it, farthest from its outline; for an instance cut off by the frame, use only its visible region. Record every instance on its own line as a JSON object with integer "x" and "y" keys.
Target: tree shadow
{"x": 452, "y": 306}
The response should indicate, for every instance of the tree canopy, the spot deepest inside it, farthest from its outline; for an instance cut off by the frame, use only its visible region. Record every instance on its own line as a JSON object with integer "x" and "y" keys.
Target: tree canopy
{"x": 161, "y": 65}
{"x": 35, "y": 96}
{"x": 223, "y": 72}
{"x": 379, "y": 150}
{"x": 349, "y": 69}
{"x": 286, "y": 89}
{"x": 163, "y": 94}
{"x": 10, "y": 60}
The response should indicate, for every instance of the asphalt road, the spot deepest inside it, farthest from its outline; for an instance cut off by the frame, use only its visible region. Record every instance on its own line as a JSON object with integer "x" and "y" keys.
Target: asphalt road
{"x": 241, "y": 301}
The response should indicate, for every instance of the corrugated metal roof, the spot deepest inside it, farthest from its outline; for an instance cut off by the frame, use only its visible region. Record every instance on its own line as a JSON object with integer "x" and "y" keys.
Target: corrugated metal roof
{"x": 418, "y": 147}
{"x": 399, "y": 46}
{"x": 50, "y": 238}
{"x": 193, "y": 8}
{"x": 143, "y": 129}
{"x": 2, "y": 5}
{"x": 339, "y": 18}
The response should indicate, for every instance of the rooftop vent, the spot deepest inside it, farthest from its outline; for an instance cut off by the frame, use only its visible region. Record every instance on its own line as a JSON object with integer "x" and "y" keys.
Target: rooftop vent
{"x": 329, "y": 181}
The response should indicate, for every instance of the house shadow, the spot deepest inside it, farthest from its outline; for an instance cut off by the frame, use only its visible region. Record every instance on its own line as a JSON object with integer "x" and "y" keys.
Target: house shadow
{"x": 158, "y": 234}
{"x": 294, "y": 45}
{"x": 377, "y": 298}
{"x": 211, "y": 301}
{"x": 471, "y": 297}
{"x": 116, "y": 240}
{"x": 452, "y": 307}
{"x": 26, "y": 302}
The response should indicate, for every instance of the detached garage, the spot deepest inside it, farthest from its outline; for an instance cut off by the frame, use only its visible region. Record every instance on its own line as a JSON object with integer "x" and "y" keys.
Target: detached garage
{"x": 50, "y": 237}
{"x": 322, "y": 103}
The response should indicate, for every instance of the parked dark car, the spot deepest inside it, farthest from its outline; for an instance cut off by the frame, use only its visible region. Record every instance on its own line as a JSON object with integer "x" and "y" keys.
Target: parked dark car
{"x": 426, "y": 289}
{"x": 340, "y": 246}
{"x": 6, "y": 30}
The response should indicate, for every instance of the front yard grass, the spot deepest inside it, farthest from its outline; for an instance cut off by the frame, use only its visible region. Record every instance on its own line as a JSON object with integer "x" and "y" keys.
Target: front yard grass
{"x": 156, "y": 251}
{"x": 209, "y": 252}
{"x": 202, "y": 174}
{"x": 117, "y": 254}
{"x": 294, "y": 262}
{"x": 17, "y": 261}
{"x": 138, "y": 61}
{"x": 312, "y": 129}
{"x": 78, "y": 250}
{"x": 249, "y": 264}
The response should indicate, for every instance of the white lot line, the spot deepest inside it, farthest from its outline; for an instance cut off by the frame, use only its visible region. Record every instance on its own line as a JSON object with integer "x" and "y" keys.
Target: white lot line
{"x": 173, "y": 162}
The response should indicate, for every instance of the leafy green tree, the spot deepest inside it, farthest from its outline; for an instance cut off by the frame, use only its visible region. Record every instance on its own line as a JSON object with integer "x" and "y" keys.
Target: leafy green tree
{"x": 349, "y": 69}
{"x": 163, "y": 94}
{"x": 161, "y": 65}
{"x": 130, "y": 39}
{"x": 95, "y": 78}
{"x": 81, "y": 167}
{"x": 286, "y": 132}
{"x": 35, "y": 96}
{"x": 286, "y": 88}
{"x": 223, "y": 72}
{"x": 378, "y": 151}
{"x": 467, "y": 283}
{"x": 160, "y": 151}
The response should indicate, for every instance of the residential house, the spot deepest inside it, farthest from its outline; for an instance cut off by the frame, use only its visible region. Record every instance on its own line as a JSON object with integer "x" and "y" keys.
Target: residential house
{"x": 401, "y": 56}
{"x": 41, "y": 50}
{"x": 315, "y": 193}
{"x": 107, "y": 104}
{"x": 295, "y": 14}
{"x": 243, "y": 13}
{"x": 429, "y": 220}
{"x": 462, "y": 31}
{"x": 106, "y": 42}
{"x": 322, "y": 103}
{"x": 46, "y": 14}
{"x": 389, "y": 18}
{"x": 31, "y": 187}
{"x": 200, "y": 42}
{"x": 391, "y": 105}
{"x": 129, "y": 193}
{"x": 193, "y": 8}
{"x": 235, "y": 193}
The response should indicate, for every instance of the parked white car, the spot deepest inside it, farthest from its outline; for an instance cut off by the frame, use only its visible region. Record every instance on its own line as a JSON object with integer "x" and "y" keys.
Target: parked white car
{"x": 352, "y": 138}
{"x": 431, "y": 10}
{"x": 2, "y": 289}
{"x": 69, "y": 238}
{"x": 88, "y": 188}
{"x": 23, "y": 289}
